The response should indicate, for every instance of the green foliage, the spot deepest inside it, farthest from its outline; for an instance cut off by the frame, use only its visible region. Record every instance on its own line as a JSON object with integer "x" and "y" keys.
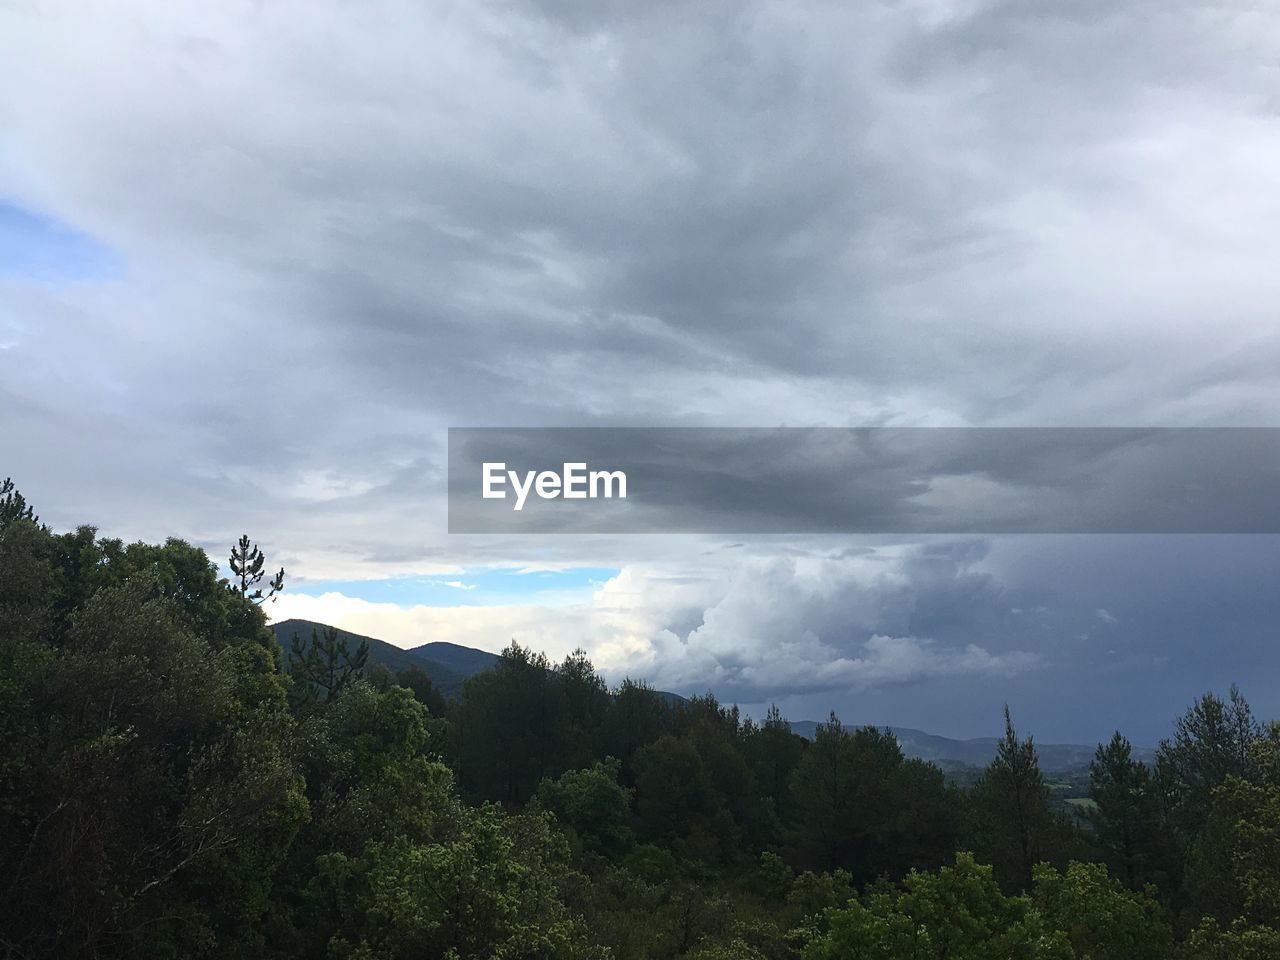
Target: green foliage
{"x": 325, "y": 666}
{"x": 392, "y": 864}
{"x": 525, "y": 720}
{"x": 146, "y": 797}
{"x": 483, "y": 885}
{"x": 167, "y": 790}
{"x": 1239, "y": 941}
{"x": 812, "y": 893}
{"x": 1126, "y": 817}
{"x": 1233, "y": 867}
{"x": 424, "y": 691}
{"x": 958, "y": 913}
{"x": 734, "y": 949}
{"x": 13, "y": 505}
{"x": 637, "y": 716}
{"x": 1101, "y": 918}
{"x": 859, "y": 805}
{"x": 593, "y": 804}
{"x": 773, "y": 752}
{"x": 674, "y": 791}
{"x": 1212, "y": 741}
{"x": 774, "y": 877}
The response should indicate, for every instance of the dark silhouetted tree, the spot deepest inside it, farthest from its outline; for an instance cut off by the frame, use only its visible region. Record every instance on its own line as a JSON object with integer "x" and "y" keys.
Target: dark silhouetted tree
{"x": 247, "y": 563}
{"x": 323, "y": 667}
{"x": 1126, "y": 814}
{"x": 1012, "y": 821}
{"x": 13, "y": 505}
{"x": 417, "y": 680}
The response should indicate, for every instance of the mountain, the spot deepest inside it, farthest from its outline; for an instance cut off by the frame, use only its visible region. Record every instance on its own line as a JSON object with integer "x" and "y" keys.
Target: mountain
{"x": 980, "y": 751}
{"x": 449, "y": 664}
{"x": 446, "y": 677}
{"x": 459, "y": 659}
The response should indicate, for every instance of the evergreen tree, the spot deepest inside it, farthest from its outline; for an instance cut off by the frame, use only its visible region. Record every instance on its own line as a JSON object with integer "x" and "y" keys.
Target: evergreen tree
{"x": 1013, "y": 824}
{"x": 1126, "y": 814}
{"x": 247, "y": 563}
{"x": 637, "y": 716}
{"x": 424, "y": 690}
{"x": 774, "y": 752}
{"x": 13, "y": 505}
{"x": 323, "y": 667}
{"x": 504, "y": 726}
{"x": 1213, "y": 740}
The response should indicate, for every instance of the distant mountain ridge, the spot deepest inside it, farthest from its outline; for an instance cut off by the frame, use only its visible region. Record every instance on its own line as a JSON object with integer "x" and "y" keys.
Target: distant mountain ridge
{"x": 980, "y": 751}
{"x": 442, "y": 662}
{"x": 449, "y": 664}
{"x": 459, "y": 659}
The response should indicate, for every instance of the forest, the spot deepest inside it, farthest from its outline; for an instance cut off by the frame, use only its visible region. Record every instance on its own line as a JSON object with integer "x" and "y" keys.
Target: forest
{"x": 174, "y": 785}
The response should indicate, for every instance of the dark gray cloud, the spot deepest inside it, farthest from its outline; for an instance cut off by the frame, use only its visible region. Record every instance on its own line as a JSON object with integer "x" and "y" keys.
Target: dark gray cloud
{"x": 335, "y": 231}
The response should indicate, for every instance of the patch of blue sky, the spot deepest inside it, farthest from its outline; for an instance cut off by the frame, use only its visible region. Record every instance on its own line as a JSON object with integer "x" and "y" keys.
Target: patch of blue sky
{"x": 479, "y": 587}
{"x": 41, "y": 248}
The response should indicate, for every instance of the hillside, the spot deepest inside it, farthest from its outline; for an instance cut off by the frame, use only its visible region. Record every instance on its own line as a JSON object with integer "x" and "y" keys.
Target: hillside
{"x": 980, "y": 751}
{"x": 461, "y": 660}
{"x": 447, "y": 677}
{"x": 449, "y": 664}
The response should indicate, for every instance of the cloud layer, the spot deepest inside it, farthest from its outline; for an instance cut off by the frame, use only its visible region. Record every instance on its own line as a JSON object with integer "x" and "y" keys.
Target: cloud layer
{"x": 310, "y": 236}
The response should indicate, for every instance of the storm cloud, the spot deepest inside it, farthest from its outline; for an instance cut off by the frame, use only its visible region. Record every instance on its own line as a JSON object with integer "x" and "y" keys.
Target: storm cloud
{"x": 257, "y": 256}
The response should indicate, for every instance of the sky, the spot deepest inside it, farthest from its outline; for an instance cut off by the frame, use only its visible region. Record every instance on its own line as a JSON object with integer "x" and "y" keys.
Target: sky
{"x": 257, "y": 257}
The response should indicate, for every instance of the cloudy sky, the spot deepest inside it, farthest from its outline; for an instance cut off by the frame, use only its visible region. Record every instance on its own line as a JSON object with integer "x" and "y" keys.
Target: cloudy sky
{"x": 256, "y": 257}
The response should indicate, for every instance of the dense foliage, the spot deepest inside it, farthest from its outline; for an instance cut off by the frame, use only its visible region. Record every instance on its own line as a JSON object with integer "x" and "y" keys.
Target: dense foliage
{"x": 171, "y": 785}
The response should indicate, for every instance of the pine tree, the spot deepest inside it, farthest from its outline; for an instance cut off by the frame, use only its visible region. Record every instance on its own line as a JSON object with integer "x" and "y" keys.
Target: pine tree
{"x": 247, "y": 563}
{"x": 1013, "y": 821}
{"x": 1126, "y": 813}
{"x": 324, "y": 667}
{"x": 13, "y": 505}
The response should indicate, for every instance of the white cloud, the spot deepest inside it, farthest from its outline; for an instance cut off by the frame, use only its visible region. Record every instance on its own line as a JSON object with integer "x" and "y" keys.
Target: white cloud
{"x": 343, "y": 228}
{"x": 554, "y": 631}
{"x": 745, "y": 626}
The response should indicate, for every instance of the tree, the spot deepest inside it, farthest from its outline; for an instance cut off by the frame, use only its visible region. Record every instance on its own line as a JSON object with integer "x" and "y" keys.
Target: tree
{"x": 416, "y": 679}
{"x": 1239, "y": 941}
{"x": 247, "y": 563}
{"x": 1126, "y": 814}
{"x": 1213, "y": 740}
{"x": 324, "y": 667}
{"x": 146, "y": 797}
{"x": 1013, "y": 825}
{"x": 487, "y": 885}
{"x": 957, "y": 913}
{"x": 637, "y": 716}
{"x": 822, "y": 789}
{"x": 1233, "y": 864}
{"x": 858, "y": 804}
{"x": 773, "y": 752}
{"x": 13, "y": 505}
{"x": 504, "y": 727}
{"x": 585, "y": 699}
{"x": 674, "y": 794}
{"x": 393, "y": 865}
{"x": 593, "y": 804}
{"x": 1101, "y": 918}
